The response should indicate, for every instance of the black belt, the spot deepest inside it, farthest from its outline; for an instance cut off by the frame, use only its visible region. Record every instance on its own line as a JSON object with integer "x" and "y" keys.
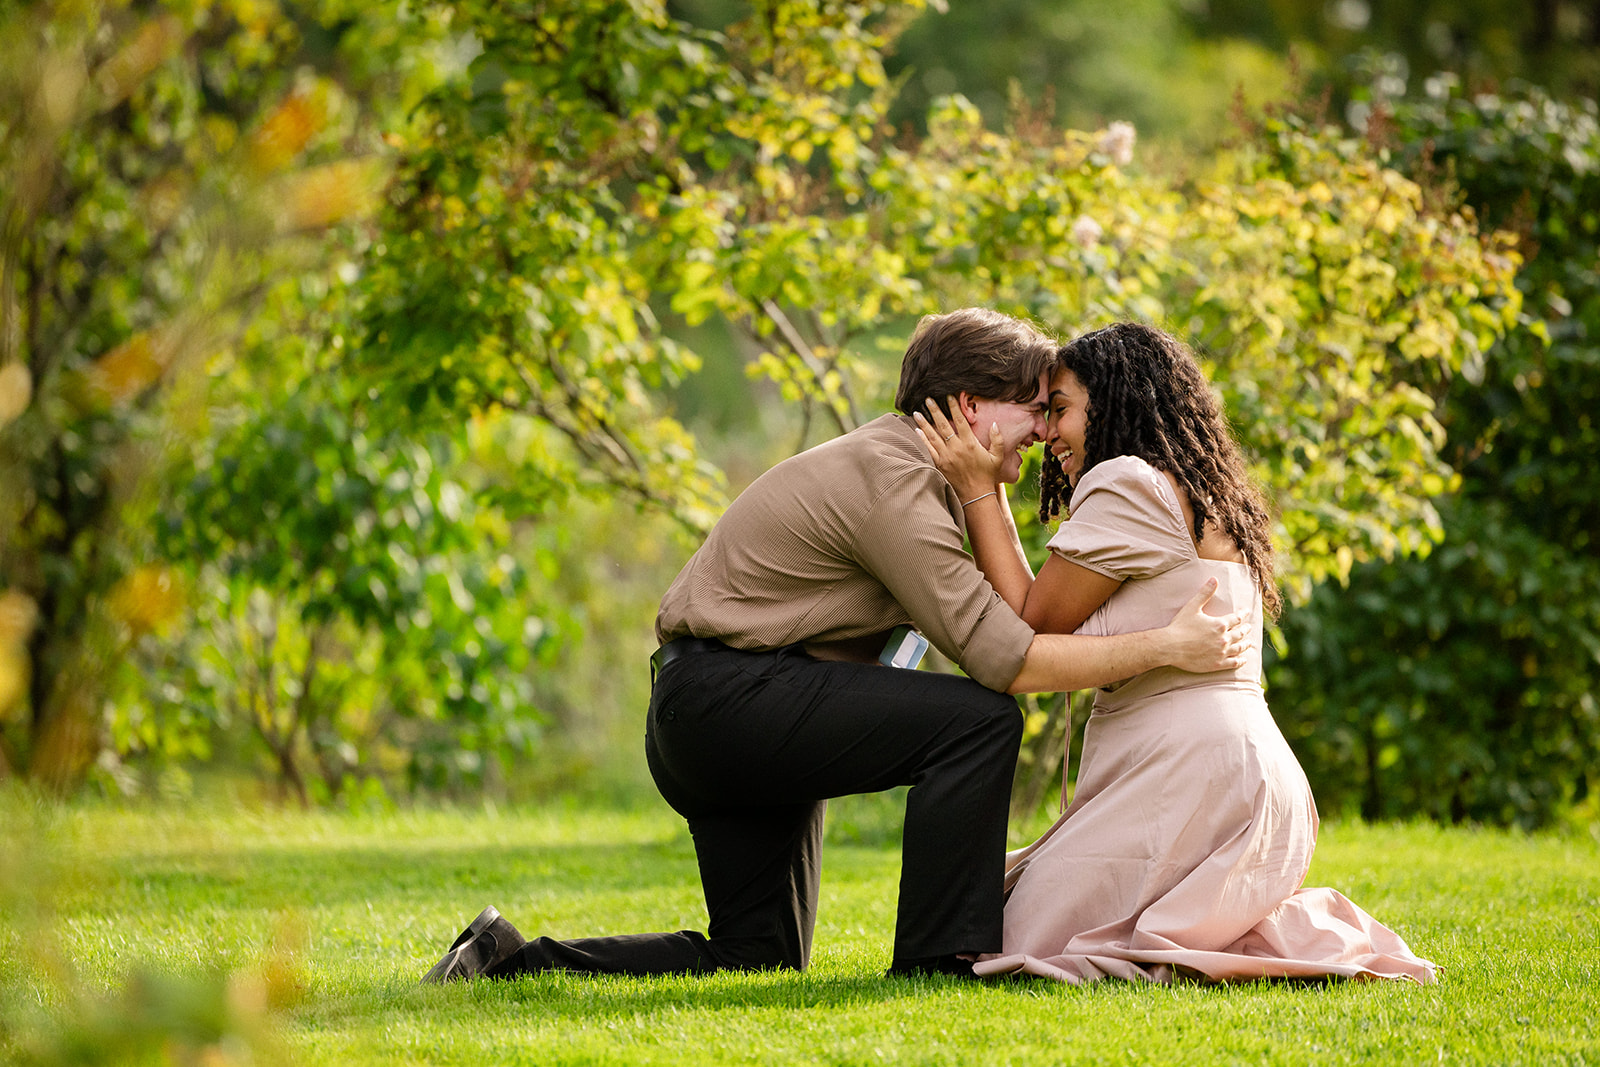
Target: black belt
{"x": 682, "y": 646}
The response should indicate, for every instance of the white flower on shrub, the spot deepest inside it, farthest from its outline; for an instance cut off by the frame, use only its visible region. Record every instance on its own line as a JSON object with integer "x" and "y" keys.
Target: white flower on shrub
{"x": 1086, "y": 232}
{"x": 1117, "y": 142}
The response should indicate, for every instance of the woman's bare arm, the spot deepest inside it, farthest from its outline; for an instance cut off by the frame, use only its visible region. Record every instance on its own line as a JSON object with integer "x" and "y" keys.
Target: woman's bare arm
{"x": 1063, "y": 595}
{"x": 973, "y": 471}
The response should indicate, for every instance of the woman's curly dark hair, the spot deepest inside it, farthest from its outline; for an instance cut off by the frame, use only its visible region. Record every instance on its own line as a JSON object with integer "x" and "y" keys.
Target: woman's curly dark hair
{"x": 1149, "y": 398}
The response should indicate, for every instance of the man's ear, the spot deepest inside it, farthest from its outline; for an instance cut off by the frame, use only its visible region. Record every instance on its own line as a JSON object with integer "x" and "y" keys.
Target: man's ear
{"x": 969, "y": 409}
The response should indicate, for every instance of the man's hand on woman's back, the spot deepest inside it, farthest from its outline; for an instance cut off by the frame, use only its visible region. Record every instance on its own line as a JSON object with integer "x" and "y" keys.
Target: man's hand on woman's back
{"x": 1201, "y": 643}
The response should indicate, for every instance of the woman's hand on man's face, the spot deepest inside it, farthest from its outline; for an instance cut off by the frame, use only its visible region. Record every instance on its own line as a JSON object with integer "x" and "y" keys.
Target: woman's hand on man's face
{"x": 969, "y": 465}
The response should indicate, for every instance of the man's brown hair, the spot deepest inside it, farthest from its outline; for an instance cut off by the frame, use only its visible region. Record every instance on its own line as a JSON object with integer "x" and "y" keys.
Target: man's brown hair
{"x": 975, "y": 351}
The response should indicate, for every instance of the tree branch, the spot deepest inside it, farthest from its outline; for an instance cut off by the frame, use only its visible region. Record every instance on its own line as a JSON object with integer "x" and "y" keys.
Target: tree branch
{"x": 846, "y": 421}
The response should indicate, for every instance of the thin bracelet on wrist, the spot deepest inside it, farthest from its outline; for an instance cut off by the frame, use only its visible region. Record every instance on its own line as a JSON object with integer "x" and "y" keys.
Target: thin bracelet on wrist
{"x": 975, "y": 499}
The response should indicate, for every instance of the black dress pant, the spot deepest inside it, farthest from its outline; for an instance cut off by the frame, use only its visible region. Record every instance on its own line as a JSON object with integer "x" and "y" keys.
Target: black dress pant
{"x": 748, "y": 746}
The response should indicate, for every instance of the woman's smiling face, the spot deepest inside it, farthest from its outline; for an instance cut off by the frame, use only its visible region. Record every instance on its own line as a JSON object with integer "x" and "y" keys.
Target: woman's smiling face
{"x": 1069, "y": 422}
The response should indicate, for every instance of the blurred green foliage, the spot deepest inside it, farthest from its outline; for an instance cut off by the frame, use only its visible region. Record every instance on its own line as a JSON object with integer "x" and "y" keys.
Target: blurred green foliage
{"x": 1176, "y": 68}
{"x": 1335, "y": 304}
{"x": 1143, "y": 61}
{"x": 352, "y": 615}
{"x": 1463, "y": 684}
{"x": 162, "y": 167}
{"x": 56, "y": 1010}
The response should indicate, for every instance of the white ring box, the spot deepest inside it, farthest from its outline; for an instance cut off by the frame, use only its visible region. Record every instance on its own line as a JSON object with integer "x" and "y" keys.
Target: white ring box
{"x": 903, "y": 649}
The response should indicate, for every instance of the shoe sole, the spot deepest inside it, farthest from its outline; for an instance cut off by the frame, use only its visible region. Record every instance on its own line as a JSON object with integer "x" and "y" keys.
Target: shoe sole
{"x": 444, "y": 970}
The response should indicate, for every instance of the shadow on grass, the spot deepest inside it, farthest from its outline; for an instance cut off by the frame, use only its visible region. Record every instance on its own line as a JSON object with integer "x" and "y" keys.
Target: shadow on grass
{"x": 586, "y": 1000}
{"x": 569, "y": 1002}
{"x": 591, "y": 998}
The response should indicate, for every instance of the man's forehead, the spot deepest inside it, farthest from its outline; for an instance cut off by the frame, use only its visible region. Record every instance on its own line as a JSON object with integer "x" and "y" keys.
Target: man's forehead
{"x": 1040, "y": 399}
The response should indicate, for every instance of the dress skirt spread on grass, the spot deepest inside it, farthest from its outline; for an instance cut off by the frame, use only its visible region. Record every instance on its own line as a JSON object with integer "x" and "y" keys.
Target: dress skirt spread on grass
{"x": 1192, "y": 825}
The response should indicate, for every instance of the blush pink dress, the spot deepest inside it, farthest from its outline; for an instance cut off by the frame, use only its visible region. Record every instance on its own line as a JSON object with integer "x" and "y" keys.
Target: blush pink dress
{"x": 1192, "y": 825}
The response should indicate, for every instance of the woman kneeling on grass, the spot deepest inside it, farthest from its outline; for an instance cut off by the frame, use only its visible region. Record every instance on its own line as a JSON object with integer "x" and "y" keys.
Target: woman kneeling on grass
{"x": 1192, "y": 824}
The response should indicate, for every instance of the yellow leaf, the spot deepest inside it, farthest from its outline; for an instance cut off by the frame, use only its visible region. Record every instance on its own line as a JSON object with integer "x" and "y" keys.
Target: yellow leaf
{"x": 61, "y": 80}
{"x": 17, "y": 617}
{"x": 286, "y": 132}
{"x": 13, "y": 680}
{"x": 18, "y": 613}
{"x": 147, "y": 599}
{"x": 125, "y": 371}
{"x": 16, "y": 389}
{"x": 149, "y": 48}
{"x": 330, "y": 194}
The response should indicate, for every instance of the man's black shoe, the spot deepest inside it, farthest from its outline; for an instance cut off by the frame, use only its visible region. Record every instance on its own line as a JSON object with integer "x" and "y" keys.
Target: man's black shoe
{"x": 949, "y": 966}
{"x": 486, "y": 941}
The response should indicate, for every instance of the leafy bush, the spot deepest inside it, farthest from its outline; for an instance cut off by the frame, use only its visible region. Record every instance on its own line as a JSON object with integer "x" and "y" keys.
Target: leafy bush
{"x": 1463, "y": 683}
{"x": 350, "y": 613}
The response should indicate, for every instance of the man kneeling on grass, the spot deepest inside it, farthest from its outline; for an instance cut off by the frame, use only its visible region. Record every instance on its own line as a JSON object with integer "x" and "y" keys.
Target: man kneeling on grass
{"x": 776, "y": 686}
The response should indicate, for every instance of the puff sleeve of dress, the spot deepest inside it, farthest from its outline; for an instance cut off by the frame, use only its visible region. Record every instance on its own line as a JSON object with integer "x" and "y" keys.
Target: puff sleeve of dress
{"x": 1125, "y": 522}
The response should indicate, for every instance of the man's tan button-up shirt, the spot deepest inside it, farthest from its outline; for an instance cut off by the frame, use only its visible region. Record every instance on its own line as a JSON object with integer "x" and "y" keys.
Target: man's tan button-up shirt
{"x": 845, "y": 542}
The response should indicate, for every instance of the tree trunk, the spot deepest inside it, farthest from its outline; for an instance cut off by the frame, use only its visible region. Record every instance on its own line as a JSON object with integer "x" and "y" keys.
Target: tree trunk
{"x": 289, "y": 771}
{"x": 1372, "y": 801}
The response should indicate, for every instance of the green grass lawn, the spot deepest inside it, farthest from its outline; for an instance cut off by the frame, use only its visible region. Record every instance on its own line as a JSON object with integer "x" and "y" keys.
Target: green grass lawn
{"x": 325, "y": 921}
